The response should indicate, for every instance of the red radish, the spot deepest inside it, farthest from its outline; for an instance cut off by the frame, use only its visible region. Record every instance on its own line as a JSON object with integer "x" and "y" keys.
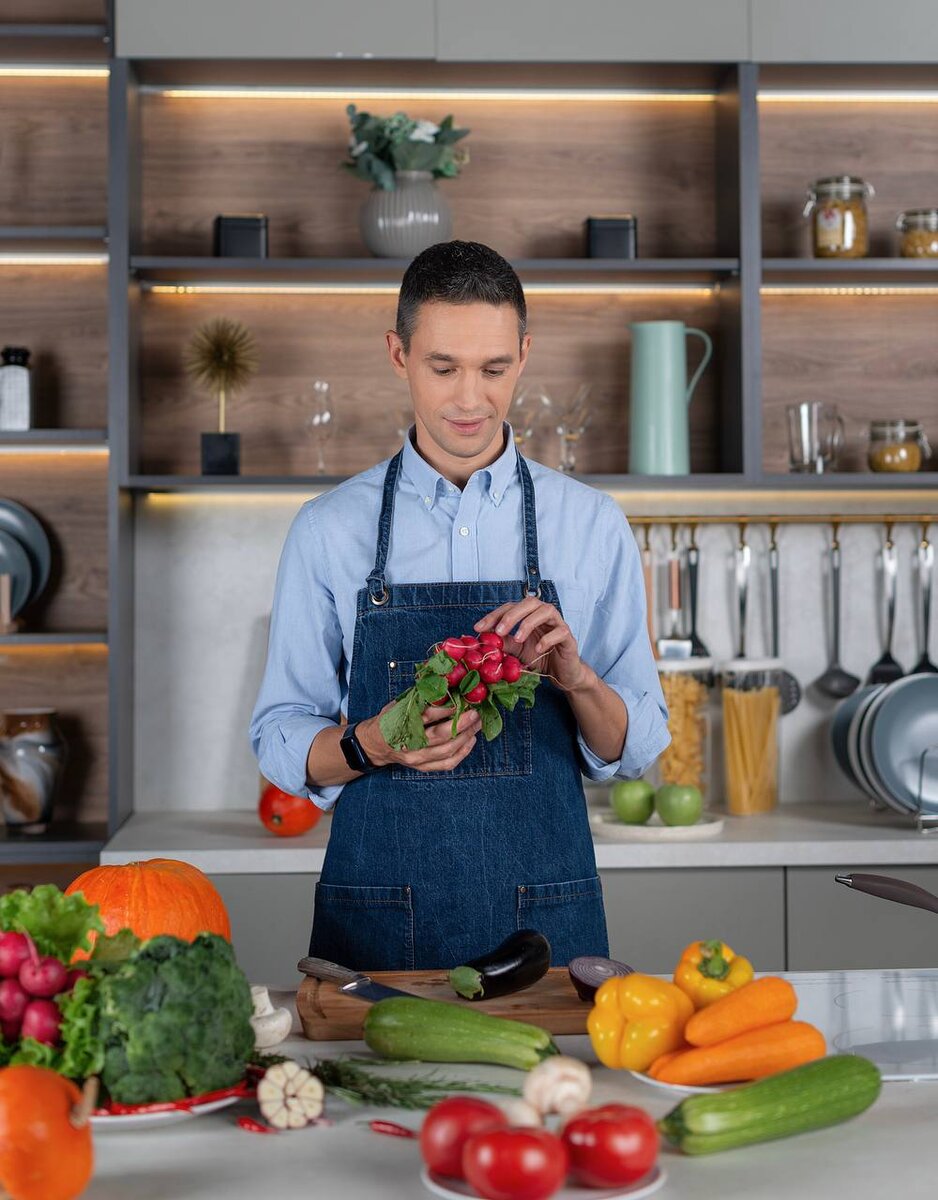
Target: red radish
{"x": 474, "y": 658}
{"x": 454, "y": 648}
{"x": 73, "y": 977}
{"x": 491, "y": 671}
{"x": 469, "y": 639}
{"x": 10, "y": 1030}
{"x": 14, "y": 951}
{"x": 477, "y": 694}
{"x": 492, "y": 639}
{"x": 456, "y": 674}
{"x": 41, "y": 1021}
{"x": 42, "y": 975}
{"x": 511, "y": 668}
{"x": 13, "y": 1001}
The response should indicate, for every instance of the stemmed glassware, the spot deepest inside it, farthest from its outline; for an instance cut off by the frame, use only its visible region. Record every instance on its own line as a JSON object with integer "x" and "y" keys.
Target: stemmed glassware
{"x": 529, "y": 410}
{"x": 572, "y": 423}
{"x": 321, "y": 420}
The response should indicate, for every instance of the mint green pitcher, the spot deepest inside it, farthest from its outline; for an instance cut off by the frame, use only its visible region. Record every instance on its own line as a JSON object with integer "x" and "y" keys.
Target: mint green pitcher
{"x": 658, "y": 421}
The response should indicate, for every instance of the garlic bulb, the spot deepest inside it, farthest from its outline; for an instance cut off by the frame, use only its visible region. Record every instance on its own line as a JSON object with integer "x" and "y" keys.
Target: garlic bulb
{"x": 289, "y": 1096}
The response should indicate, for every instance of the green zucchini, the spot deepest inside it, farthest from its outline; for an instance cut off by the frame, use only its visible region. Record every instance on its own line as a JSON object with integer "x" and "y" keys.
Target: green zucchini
{"x": 436, "y": 1031}
{"x": 819, "y": 1093}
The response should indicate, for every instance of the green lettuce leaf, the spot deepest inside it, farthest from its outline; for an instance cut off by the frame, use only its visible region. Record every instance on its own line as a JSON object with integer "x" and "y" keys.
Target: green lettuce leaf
{"x": 35, "y": 1054}
{"x": 82, "y": 1051}
{"x": 57, "y": 923}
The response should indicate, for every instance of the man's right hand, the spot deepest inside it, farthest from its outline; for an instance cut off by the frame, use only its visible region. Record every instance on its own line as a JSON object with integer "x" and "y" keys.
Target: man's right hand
{"x": 443, "y": 752}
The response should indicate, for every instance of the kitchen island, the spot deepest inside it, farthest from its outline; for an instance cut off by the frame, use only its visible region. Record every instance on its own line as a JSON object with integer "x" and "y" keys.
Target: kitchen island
{"x": 890, "y": 1148}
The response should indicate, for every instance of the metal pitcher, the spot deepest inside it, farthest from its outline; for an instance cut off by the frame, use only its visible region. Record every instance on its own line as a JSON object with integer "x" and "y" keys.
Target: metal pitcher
{"x": 659, "y": 442}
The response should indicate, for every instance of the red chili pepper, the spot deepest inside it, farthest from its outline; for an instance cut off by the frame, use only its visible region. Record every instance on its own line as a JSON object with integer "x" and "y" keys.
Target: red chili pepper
{"x": 115, "y": 1109}
{"x": 392, "y": 1129}
{"x": 252, "y": 1126}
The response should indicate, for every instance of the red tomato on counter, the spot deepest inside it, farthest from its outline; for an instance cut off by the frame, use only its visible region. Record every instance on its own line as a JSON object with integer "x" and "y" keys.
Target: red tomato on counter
{"x": 515, "y": 1164}
{"x": 448, "y": 1126}
{"x": 611, "y": 1146}
{"x": 286, "y": 815}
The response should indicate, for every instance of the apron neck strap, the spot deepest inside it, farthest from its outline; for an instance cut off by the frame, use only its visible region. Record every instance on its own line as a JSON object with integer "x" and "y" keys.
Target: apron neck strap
{"x": 377, "y": 583}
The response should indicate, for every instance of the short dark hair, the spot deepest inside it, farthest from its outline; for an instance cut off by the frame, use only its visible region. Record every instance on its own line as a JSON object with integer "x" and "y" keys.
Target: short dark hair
{"x": 458, "y": 273}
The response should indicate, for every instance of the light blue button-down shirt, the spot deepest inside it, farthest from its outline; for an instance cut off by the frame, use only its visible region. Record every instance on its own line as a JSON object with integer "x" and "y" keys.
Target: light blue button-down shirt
{"x": 440, "y": 534}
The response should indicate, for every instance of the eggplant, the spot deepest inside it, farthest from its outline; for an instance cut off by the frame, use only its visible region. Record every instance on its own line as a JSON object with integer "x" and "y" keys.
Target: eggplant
{"x": 519, "y": 961}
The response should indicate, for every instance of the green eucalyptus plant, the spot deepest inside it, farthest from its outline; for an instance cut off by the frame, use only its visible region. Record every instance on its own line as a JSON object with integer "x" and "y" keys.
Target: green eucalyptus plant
{"x": 379, "y": 146}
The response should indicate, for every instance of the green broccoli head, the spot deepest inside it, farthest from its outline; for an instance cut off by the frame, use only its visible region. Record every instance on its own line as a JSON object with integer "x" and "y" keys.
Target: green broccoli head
{"x": 175, "y": 1021}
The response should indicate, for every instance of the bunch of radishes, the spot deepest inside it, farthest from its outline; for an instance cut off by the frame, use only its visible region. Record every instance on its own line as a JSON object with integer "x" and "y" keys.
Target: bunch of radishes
{"x": 484, "y": 654}
{"x": 29, "y": 982}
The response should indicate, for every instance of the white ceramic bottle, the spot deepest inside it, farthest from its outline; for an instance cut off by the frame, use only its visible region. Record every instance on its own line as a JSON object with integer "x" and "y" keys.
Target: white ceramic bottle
{"x": 16, "y": 407}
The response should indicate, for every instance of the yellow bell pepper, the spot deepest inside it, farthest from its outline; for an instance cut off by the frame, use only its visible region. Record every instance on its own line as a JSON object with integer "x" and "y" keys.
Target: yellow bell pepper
{"x": 709, "y": 970}
{"x": 636, "y": 1018}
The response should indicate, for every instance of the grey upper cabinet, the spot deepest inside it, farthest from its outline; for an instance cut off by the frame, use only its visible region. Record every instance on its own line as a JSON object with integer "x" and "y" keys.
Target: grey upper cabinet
{"x": 593, "y": 30}
{"x": 275, "y": 29}
{"x": 844, "y": 31}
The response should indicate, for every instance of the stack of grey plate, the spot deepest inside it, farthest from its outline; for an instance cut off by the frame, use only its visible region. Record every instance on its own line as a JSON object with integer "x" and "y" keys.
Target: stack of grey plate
{"x": 885, "y": 739}
{"x": 25, "y": 554}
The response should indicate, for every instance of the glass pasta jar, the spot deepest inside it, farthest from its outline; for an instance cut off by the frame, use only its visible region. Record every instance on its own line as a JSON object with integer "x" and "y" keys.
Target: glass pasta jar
{"x": 918, "y": 233}
{"x": 750, "y": 734}
{"x": 897, "y": 445}
{"x": 839, "y": 219}
{"x": 687, "y": 684}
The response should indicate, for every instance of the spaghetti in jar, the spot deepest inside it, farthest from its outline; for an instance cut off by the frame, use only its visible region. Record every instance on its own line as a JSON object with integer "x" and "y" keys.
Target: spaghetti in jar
{"x": 751, "y": 706}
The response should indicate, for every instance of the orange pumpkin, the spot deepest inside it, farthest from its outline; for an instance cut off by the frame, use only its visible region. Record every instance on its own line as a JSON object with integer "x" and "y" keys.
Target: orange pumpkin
{"x": 160, "y": 895}
{"x": 45, "y": 1136}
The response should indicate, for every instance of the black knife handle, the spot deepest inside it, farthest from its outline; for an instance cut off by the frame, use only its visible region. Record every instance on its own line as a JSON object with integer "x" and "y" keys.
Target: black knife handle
{"x": 321, "y": 968}
{"x": 888, "y": 888}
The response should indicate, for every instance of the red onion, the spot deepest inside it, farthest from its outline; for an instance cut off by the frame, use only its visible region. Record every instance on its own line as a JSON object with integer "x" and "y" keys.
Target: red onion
{"x": 590, "y": 970}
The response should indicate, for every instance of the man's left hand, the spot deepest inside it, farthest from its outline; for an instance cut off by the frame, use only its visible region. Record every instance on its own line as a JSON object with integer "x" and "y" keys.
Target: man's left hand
{"x": 542, "y": 640}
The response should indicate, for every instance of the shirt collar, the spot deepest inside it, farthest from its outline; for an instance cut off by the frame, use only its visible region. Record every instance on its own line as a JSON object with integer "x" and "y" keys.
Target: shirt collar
{"x": 429, "y": 483}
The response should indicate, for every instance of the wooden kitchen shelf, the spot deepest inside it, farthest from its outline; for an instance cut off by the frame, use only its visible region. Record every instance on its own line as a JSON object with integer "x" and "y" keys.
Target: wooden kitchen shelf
{"x": 64, "y": 842}
{"x": 52, "y": 30}
{"x": 49, "y": 439}
{"x": 53, "y": 639}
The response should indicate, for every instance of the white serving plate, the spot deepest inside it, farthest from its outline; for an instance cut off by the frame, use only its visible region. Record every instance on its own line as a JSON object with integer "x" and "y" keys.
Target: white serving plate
{"x": 107, "y": 1122}
{"x": 606, "y": 823}
{"x": 458, "y": 1189}
{"x": 680, "y": 1089}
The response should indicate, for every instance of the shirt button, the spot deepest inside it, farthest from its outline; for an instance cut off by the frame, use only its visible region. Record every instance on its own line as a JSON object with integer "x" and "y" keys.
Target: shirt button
{"x": 464, "y": 530}
{"x": 494, "y": 495}
{"x": 426, "y": 499}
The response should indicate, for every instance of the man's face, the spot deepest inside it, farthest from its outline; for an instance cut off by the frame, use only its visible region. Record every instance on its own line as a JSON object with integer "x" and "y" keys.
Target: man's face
{"x": 462, "y": 367}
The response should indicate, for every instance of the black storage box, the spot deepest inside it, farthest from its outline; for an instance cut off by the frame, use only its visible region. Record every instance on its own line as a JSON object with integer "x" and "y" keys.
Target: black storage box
{"x": 241, "y": 236}
{"x": 612, "y": 237}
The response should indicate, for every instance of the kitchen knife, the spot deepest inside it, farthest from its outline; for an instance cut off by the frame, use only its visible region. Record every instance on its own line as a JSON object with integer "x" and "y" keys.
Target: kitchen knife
{"x": 887, "y": 888}
{"x": 351, "y": 983}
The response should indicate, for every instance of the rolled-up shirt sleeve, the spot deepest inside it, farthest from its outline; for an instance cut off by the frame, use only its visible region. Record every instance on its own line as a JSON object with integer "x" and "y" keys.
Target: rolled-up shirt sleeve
{"x": 616, "y": 646}
{"x": 303, "y": 688}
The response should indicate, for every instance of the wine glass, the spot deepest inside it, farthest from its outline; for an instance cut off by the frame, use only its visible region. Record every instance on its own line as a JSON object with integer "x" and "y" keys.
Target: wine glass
{"x": 572, "y": 423}
{"x": 320, "y": 422}
{"x": 529, "y": 409}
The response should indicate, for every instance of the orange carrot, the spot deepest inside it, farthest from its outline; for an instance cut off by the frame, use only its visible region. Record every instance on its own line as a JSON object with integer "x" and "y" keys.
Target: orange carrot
{"x": 763, "y": 1002}
{"x": 662, "y": 1059}
{"x": 751, "y": 1055}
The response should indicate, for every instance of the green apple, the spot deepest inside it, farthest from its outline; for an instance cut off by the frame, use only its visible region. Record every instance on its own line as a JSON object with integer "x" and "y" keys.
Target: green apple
{"x": 633, "y": 800}
{"x": 678, "y": 804}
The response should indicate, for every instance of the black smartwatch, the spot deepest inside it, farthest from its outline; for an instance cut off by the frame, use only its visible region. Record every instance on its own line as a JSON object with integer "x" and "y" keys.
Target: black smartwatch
{"x": 354, "y": 753}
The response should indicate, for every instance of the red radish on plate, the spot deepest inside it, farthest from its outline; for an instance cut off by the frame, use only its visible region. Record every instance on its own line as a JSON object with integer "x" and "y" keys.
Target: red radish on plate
{"x": 41, "y": 1020}
{"x": 14, "y": 950}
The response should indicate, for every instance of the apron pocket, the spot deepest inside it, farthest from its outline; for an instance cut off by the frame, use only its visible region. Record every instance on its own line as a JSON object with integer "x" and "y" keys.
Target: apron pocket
{"x": 365, "y": 928}
{"x": 570, "y": 915}
{"x": 508, "y": 754}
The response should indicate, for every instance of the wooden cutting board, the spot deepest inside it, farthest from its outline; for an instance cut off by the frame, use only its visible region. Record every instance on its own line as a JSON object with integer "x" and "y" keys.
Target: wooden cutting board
{"x": 329, "y": 1016}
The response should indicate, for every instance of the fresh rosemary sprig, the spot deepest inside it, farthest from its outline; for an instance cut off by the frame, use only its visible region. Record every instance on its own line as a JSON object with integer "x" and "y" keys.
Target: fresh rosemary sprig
{"x": 345, "y": 1078}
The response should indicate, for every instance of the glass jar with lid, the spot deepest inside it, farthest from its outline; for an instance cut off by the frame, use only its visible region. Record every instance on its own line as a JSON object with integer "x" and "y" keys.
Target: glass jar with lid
{"x": 918, "y": 233}
{"x": 839, "y": 218}
{"x": 751, "y": 706}
{"x": 687, "y": 684}
{"x": 897, "y": 445}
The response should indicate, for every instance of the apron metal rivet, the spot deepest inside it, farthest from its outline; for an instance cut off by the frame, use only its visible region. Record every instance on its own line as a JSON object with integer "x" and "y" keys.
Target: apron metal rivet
{"x": 522, "y": 889}
{"x": 392, "y": 664}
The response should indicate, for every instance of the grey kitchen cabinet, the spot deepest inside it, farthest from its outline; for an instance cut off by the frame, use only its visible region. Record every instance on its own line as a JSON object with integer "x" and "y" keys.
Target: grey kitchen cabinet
{"x": 844, "y": 31}
{"x": 831, "y": 927}
{"x": 653, "y": 914}
{"x": 271, "y": 917}
{"x": 593, "y": 31}
{"x": 275, "y": 29}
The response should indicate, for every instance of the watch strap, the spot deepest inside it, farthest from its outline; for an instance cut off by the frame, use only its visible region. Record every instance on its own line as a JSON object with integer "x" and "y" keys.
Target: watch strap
{"x": 353, "y": 750}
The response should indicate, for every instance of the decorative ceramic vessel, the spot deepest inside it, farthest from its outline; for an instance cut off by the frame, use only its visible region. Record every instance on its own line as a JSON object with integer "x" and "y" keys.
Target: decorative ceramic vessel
{"x": 402, "y": 222}
{"x": 32, "y": 757}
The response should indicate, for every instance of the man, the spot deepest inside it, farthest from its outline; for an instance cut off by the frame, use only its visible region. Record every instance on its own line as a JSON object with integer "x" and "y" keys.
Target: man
{"x": 436, "y": 855}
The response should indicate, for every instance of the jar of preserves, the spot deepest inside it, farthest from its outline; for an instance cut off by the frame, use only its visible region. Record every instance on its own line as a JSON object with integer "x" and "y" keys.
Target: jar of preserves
{"x": 840, "y": 223}
{"x": 751, "y": 706}
{"x": 918, "y": 233}
{"x": 897, "y": 445}
{"x": 687, "y": 684}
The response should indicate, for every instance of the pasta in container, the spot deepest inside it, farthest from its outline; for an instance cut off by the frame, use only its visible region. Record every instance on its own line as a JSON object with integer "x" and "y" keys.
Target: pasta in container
{"x": 687, "y": 684}
{"x": 751, "y": 708}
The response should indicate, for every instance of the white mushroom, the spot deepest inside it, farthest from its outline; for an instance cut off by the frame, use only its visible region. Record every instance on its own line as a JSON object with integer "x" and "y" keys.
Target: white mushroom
{"x": 289, "y": 1096}
{"x": 559, "y": 1084}
{"x": 271, "y": 1025}
{"x": 521, "y": 1114}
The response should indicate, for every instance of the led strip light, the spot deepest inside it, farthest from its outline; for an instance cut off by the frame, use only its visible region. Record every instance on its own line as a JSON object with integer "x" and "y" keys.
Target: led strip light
{"x": 701, "y": 291}
{"x": 43, "y": 71}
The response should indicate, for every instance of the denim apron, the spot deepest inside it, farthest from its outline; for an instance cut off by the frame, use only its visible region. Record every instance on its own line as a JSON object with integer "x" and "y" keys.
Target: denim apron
{"x": 430, "y": 870}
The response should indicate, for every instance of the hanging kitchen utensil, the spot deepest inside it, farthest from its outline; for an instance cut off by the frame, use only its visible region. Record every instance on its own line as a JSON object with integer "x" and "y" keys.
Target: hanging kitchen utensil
{"x": 743, "y": 563}
{"x": 674, "y": 645}
{"x": 835, "y": 681}
{"x": 789, "y": 689}
{"x": 926, "y": 563}
{"x": 698, "y": 649}
{"x": 649, "y": 577}
{"x": 886, "y": 669}
{"x": 888, "y": 888}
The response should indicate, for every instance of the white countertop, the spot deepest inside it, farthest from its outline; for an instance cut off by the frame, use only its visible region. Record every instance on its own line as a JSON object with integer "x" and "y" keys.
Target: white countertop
{"x": 890, "y": 1149}
{"x": 232, "y": 842}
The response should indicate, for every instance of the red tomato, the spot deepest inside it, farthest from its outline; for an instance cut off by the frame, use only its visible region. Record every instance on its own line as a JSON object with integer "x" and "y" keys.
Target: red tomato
{"x": 611, "y": 1146}
{"x": 286, "y": 815}
{"x": 515, "y": 1164}
{"x": 449, "y": 1125}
